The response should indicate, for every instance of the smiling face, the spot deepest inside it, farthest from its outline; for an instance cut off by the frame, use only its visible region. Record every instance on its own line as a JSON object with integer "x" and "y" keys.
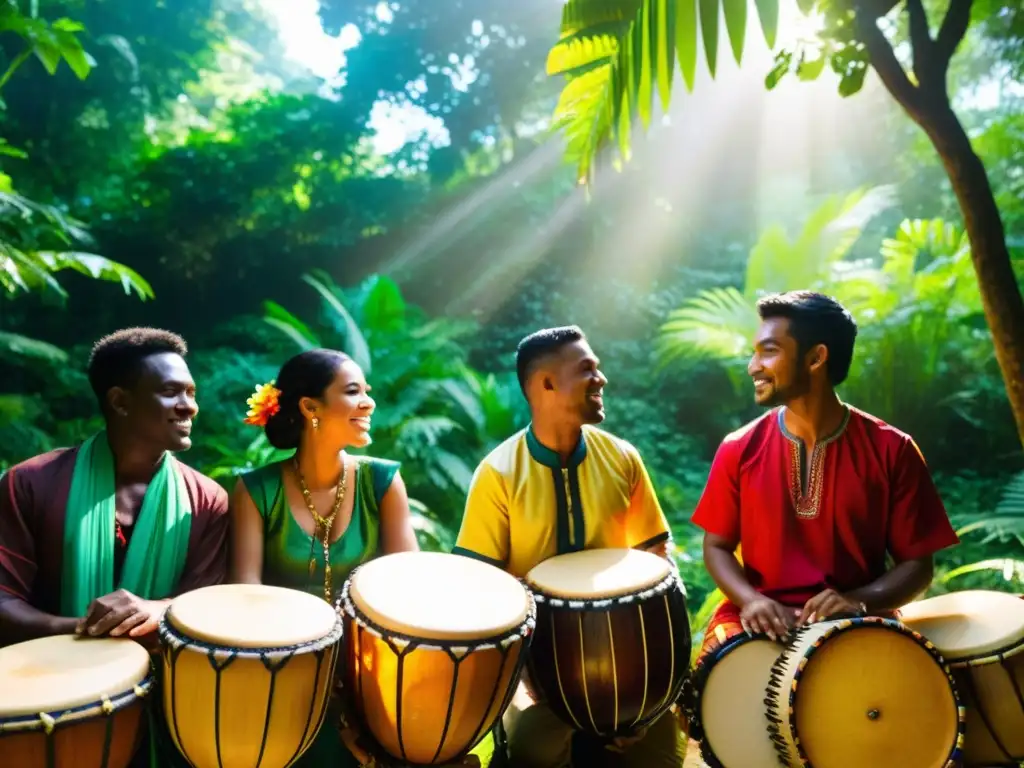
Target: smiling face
{"x": 158, "y": 410}
{"x": 777, "y": 368}
{"x": 345, "y": 408}
{"x": 574, "y": 384}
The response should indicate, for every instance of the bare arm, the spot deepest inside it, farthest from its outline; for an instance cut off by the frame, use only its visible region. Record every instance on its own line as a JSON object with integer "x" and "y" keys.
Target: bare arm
{"x": 725, "y": 569}
{"x": 897, "y": 586}
{"x": 246, "y": 563}
{"x": 396, "y": 531}
{"x": 19, "y": 621}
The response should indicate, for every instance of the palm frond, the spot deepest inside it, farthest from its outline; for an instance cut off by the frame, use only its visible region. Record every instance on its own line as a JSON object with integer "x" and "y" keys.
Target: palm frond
{"x": 618, "y": 53}
{"x": 718, "y": 324}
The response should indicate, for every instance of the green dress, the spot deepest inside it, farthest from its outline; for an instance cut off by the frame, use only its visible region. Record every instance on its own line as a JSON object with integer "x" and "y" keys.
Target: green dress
{"x": 287, "y": 551}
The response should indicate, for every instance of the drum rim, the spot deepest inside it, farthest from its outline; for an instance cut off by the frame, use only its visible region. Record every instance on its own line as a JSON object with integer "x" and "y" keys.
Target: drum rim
{"x": 59, "y": 718}
{"x": 584, "y": 604}
{"x": 345, "y": 606}
{"x": 699, "y": 676}
{"x": 774, "y": 695}
{"x": 176, "y": 638}
{"x": 988, "y": 657}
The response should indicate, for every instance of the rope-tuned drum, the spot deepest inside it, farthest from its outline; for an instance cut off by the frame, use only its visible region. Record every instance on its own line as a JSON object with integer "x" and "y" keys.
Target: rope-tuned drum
{"x": 981, "y": 635}
{"x": 434, "y": 646}
{"x": 612, "y": 646}
{"x": 69, "y": 702}
{"x": 248, "y": 673}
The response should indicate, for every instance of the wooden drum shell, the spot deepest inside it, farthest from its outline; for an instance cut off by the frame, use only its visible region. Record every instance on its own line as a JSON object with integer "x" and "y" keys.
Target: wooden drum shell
{"x": 241, "y": 707}
{"x": 992, "y": 690}
{"x": 609, "y": 667}
{"x": 427, "y": 702}
{"x": 85, "y": 737}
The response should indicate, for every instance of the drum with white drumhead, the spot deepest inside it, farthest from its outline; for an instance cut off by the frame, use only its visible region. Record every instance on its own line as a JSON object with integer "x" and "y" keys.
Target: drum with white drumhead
{"x": 730, "y": 717}
{"x": 980, "y": 633}
{"x": 612, "y": 646}
{"x": 248, "y": 672}
{"x": 70, "y": 702}
{"x": 434, "y": 647}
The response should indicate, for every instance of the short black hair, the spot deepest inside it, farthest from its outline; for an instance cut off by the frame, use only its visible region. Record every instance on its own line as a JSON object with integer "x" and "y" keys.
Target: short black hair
{"x": 307, "y": 374}
{"x": 116, "y": 359}
{"x": 815, "y": 318}
{"x": 540, "y": 344}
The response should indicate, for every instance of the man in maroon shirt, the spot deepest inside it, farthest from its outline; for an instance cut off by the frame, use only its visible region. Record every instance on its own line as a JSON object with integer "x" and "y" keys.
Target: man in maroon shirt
{"x": 816, "y": 495}
{"x": 147, "y": 397}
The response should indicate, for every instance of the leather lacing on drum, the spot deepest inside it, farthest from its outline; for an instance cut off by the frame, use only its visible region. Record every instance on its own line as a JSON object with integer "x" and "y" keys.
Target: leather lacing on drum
{"x": 50, "y": 721}
{"x": 774, "y": 693}
{"x": 273, "y": 660}
{"x": 401, "y": 645}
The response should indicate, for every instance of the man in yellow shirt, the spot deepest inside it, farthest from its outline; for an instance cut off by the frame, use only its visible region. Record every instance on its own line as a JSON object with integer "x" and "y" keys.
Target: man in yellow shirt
{"x": 563, "y": 485}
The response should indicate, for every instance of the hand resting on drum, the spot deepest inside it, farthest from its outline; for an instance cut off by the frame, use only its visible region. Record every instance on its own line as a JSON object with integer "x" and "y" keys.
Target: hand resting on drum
{"x": 829, "y": 604}
{"x": 763, "y": 615}
{"x": 121, "y": 613}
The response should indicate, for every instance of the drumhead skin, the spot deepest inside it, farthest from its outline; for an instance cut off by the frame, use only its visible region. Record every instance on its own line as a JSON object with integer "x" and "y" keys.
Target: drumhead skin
{"x": 969, "y": 625}
{"x": 438, "y": 596}
{"x": 863, "y": 692}
{"x": 731, "y": 684}
{"x": 251, "y": 616}
{"x": 595, "y": 574}
{"x": 981, "y": 634}
{"x": 58, "y": 673}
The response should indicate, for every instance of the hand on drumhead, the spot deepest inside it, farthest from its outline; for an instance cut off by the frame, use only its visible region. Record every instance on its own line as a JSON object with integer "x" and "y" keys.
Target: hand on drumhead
{"x": 121, "y": 613}
{"x": 766, "y": 616}
{"x": 826, "y": 604}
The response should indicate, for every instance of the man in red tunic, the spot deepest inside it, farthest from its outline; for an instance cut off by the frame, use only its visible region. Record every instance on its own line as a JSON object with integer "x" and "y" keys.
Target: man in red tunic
{"x": 815, "y": 494}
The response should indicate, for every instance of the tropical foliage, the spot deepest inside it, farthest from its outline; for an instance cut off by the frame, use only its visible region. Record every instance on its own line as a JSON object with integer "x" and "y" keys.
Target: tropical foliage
{"x": 410, "y": 209}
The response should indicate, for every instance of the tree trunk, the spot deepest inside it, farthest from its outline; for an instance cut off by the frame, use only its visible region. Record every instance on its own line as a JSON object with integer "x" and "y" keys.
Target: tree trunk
{"x": 1000, "y": 294}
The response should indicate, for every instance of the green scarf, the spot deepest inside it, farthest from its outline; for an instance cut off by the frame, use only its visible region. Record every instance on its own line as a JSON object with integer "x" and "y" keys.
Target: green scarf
{"x": 156, "y": 555}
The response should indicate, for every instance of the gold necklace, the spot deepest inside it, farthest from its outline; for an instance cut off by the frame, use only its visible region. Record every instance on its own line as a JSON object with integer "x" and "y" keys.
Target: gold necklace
{"x": 323, "y": 523}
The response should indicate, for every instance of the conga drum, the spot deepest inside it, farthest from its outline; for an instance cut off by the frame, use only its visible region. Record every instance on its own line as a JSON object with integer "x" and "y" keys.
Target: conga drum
{"x": 434, "y": 645}
{"x": 69, "y": 702}
{"x": 612, "y": 646}
{"x": 862, "y": 692}
{"x": 248, "y": 673}
{"x": 730, "y": 719}
{"x": 981, "y": 636}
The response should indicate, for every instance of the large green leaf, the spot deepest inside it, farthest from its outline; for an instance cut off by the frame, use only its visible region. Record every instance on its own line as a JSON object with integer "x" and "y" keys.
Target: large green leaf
{"x": 637, "y": 41}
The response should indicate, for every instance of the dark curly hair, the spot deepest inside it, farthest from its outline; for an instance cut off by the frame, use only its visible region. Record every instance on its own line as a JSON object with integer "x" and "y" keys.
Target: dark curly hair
{"x": 116, "y": 359}
{"x": 307, "y": 374}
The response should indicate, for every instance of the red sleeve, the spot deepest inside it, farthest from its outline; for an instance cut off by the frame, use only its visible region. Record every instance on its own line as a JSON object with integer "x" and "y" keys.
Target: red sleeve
{"x": 918, "y": 523}
{"x": 718, "y": 510}
{"x": 207, "y": 563}
{"x": 17, "y": 546}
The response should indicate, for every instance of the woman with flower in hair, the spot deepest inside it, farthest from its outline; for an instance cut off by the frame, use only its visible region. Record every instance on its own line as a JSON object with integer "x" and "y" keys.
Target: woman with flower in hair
{"x": 307, "y": 521}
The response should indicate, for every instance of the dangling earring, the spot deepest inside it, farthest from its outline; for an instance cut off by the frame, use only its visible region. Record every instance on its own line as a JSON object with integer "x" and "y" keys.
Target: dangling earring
{"x": 316, "y": 423}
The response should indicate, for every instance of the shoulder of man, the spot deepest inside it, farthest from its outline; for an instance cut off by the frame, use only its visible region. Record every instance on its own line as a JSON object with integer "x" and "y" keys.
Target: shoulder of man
{"x": 207, "y": 494}
{"x": 44, "y": 468}
{"x": 889, "y": 440}
{"x": 504, "y": 457}
{"x": 753, "y": 429}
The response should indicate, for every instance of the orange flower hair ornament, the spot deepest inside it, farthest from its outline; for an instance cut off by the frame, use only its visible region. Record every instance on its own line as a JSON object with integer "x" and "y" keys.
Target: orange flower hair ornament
{"x": 262, "y": 404}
